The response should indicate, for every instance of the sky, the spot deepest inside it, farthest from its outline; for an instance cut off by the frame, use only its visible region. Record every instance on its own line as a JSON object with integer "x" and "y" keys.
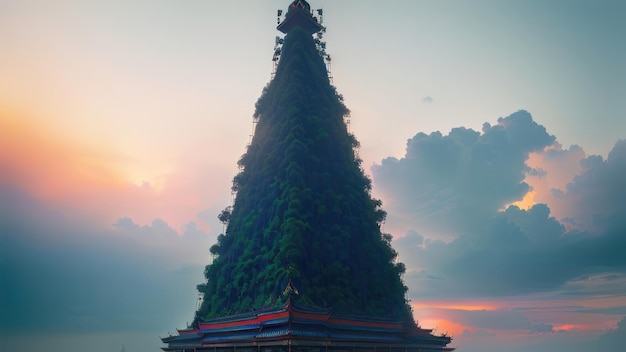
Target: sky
{"x": 494, "y": 133}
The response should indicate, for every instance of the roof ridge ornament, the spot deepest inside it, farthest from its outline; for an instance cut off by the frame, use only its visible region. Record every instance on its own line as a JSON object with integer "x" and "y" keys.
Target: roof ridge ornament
{"x": 290, "y": 289}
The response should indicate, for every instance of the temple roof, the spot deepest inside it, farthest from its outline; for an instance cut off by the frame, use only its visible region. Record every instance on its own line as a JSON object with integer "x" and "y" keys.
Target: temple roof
{"x": 301, "y": 325}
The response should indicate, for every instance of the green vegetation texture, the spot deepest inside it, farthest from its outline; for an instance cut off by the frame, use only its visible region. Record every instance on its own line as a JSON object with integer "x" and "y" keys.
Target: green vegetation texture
{"x": 303, "y": 210}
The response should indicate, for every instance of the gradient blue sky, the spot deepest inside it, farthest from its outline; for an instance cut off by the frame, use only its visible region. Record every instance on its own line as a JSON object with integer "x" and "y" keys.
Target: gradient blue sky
{"x": 121, "y": 123}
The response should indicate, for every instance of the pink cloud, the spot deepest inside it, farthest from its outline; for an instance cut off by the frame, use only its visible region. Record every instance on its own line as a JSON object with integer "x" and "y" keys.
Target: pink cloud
{"x": 552, "y": 169}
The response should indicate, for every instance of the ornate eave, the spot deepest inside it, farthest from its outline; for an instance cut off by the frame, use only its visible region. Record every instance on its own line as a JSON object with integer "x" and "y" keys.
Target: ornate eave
{"x": 297, "y": 325}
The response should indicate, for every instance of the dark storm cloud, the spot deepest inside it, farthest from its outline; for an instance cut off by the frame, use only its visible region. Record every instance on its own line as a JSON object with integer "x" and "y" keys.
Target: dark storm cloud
{"x": 66, "y": 275}
{"x": 454, "y": 183}
{"x": 458, "y": 183}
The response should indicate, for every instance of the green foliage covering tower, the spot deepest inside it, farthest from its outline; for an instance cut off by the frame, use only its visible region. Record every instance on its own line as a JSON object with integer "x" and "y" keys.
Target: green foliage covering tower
{"x": 303, "y": 211}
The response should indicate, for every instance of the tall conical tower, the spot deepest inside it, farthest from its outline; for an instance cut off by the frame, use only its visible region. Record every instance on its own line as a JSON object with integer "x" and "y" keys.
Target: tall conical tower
{"x": 303, "y": 254}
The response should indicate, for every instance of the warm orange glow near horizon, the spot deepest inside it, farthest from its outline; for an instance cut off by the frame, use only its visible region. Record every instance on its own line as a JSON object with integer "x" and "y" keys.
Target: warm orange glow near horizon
{"x": 431, "y": 315}
{"x": 84, "y": 179}
{"x": 52, "y": 166}
{"x": 443, "y": 326}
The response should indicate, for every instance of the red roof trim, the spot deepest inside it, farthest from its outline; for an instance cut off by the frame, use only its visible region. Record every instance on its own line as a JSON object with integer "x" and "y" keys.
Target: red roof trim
{"x": 258, "y": 320}
{"x": 187, "y": 331}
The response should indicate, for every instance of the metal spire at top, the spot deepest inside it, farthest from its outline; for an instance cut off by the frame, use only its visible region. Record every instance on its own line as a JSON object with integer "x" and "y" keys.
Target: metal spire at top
{"x": 299, "y": 14}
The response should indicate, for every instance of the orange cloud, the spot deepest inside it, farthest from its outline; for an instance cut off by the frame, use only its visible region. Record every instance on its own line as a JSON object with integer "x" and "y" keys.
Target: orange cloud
{"x": 556, "y": 168}
{"x": 527, "y": 202}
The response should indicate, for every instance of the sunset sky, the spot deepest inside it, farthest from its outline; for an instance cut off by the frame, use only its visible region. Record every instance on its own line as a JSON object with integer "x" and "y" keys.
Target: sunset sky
{"x": 121, "y": 123}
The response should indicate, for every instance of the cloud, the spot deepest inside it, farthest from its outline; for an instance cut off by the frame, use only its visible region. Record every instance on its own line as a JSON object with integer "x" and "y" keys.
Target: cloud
{"x": 615, "y": 310}
{"x": 582, "y": 191}
{"x": 613, "y": 340}
{"x": 67, "y": 275}
{"x": 523, "y": 251}
{"x": 542, "y": 328}
{"x": 448, "y": 193}
{"x": 595, "y": 198}
{"x": 446, "y": 185}
{"x": 556, "y": 167}
{"x": 428, "y": 100}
